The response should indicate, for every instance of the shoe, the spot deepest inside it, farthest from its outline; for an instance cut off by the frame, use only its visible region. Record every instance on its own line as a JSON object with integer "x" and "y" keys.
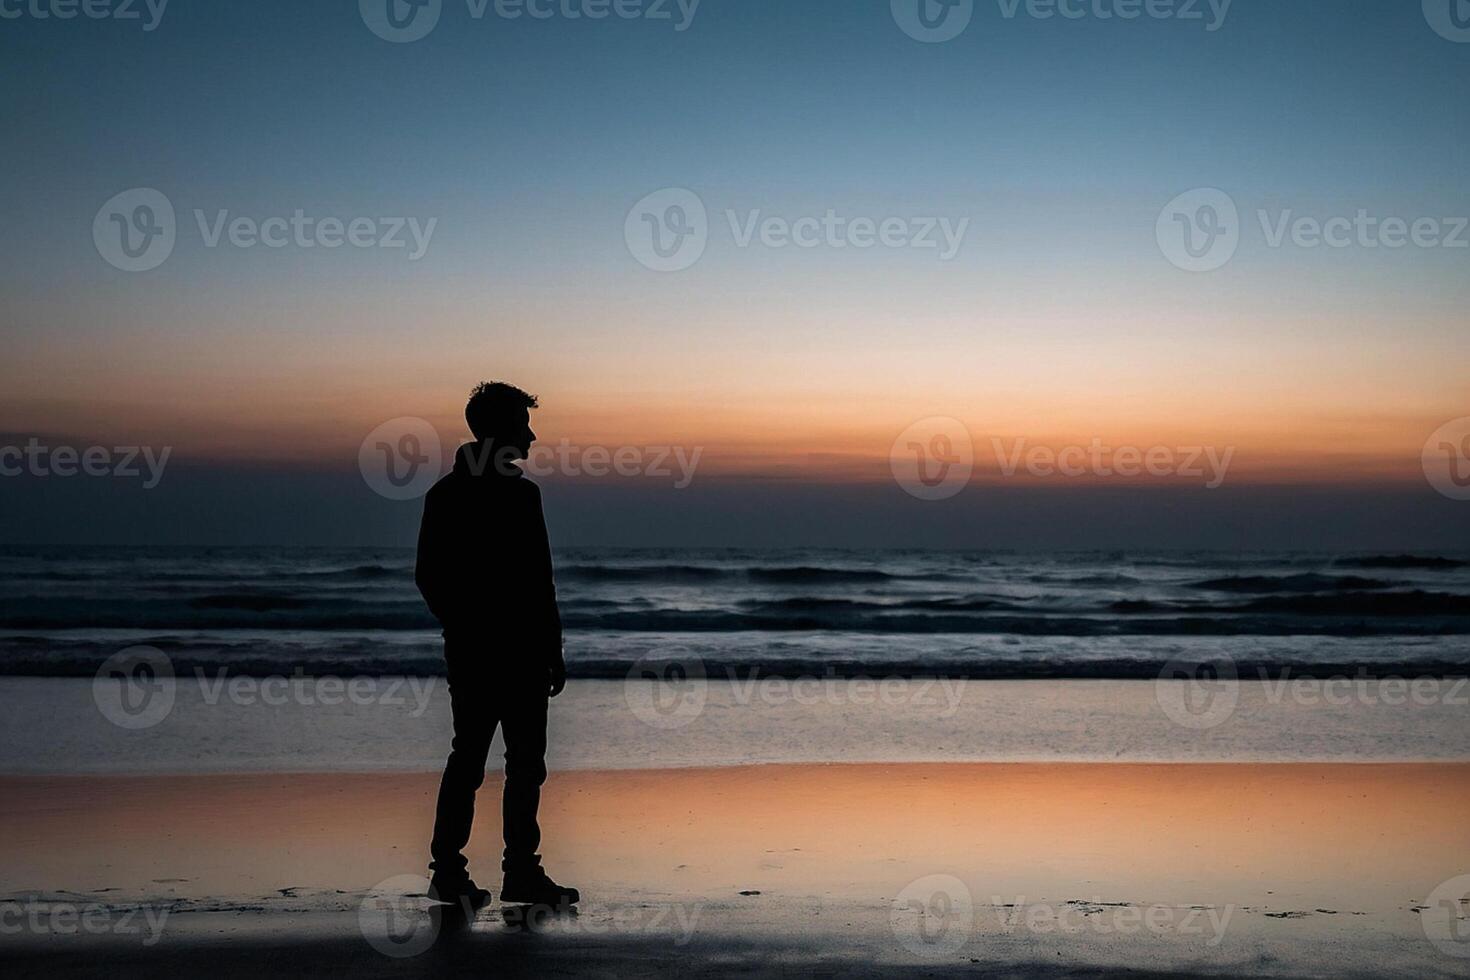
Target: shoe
{"x": 455, "y": 889}
{"x": 533, "y": 887}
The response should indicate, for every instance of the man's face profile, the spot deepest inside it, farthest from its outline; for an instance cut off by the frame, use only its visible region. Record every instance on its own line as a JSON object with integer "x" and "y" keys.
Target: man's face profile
{"x": 520, "y": 438}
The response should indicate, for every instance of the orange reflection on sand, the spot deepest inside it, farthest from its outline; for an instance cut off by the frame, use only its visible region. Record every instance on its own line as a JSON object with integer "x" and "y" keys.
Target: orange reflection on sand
{"x": 1369, "y": 836}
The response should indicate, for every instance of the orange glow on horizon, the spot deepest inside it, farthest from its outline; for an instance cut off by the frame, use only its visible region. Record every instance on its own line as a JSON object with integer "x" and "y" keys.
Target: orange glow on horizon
{"x": 826, "y": 411}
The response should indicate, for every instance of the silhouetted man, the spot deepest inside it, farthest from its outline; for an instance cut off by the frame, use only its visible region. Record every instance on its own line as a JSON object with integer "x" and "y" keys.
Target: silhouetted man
{"x": 484, "y": 567}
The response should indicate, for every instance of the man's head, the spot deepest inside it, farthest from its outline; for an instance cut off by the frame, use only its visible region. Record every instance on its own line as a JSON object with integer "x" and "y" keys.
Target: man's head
{"x": 502, "y": 413}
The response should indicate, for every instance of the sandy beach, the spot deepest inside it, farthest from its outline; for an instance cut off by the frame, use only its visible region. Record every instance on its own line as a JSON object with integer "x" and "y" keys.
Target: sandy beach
{"x": 1023, "y": 869}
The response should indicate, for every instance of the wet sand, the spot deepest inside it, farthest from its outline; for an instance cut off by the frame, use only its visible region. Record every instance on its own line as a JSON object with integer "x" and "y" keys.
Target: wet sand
{"x": 1020, "y": 869}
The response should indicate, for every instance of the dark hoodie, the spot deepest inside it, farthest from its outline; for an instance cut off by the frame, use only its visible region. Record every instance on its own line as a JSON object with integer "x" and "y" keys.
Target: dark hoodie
{"x": 484, "y": 562}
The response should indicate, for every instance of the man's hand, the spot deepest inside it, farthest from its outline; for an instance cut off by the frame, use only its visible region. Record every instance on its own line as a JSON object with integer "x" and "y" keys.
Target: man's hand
{"x": 557, "y": 676}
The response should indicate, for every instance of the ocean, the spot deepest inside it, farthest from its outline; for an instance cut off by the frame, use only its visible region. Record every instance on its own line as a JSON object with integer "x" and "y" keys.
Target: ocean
{"x": 266, "y": 611}
{"x": 314, "y": 659}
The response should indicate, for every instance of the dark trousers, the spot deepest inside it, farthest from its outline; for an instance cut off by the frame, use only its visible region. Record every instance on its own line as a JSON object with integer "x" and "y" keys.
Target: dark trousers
{"x": 482, "y": 695}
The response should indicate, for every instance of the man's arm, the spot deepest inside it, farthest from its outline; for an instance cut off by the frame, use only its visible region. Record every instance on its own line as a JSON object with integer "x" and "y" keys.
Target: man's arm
{"x": 432, "y": 573}
{"x": 550, "y": 615}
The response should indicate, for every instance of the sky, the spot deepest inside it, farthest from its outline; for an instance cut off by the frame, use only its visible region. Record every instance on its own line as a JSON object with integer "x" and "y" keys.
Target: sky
{"x": 1046, "y": 159}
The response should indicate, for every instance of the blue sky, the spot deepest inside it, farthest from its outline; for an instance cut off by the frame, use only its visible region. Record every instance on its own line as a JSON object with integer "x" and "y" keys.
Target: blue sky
{"x": 527, "y": 140}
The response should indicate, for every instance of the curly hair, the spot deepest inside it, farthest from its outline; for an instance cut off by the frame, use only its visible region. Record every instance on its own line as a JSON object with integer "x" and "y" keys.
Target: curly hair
{"x": 496, "y": 408}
